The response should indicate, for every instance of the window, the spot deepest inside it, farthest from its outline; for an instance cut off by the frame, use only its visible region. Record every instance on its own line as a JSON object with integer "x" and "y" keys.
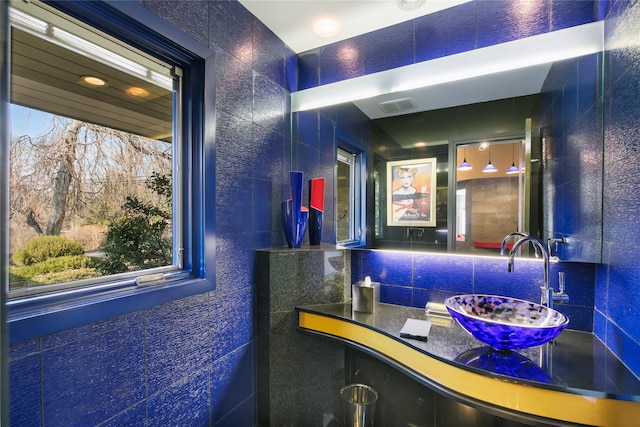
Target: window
{"x": 345, "y": 196}
{"x": 350, "y": 197}
{"x": 92, "y": 151}
{"x": 106, "y": 140}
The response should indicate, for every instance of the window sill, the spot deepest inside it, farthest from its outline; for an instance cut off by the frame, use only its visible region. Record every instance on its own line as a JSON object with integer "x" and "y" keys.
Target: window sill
{"x": 35, "y": 317}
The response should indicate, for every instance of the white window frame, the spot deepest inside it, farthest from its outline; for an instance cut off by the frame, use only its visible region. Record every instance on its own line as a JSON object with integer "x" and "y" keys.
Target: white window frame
{"x": 348, "y": 154}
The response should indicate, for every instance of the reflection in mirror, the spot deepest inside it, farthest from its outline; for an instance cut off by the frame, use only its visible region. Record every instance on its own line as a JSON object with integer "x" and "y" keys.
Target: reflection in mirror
{"x": 345, "y": 177}
{"x": 490, "y": 194}
{"x": 472, "y": 210}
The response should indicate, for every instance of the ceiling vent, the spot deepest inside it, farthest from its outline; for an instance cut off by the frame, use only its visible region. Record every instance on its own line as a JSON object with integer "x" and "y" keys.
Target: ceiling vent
{"x": 397, "y": 105}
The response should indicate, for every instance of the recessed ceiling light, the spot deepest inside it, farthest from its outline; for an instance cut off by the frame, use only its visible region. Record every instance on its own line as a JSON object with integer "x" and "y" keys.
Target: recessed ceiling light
{"x": 410, "y": 4}
{"x": 138, "y": 92}
{"x": 93, "y": 81}
{"x": 420, "y": 144}
{"x": 326, "y": 27}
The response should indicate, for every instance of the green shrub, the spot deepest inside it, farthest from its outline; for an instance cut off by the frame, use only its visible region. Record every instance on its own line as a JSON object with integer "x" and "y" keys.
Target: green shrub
{"x": 54, "y": 265}
{"x": 42, "y": 248}
{"x": 140, "y": 238}
{"x": 136, "y": 243}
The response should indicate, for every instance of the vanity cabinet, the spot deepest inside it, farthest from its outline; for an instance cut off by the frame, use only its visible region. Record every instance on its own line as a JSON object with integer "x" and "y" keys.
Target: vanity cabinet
{"x": 575, "y": 380}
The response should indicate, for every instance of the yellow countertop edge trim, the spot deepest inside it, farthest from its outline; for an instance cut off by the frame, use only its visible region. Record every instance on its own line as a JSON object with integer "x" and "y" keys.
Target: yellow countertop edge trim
{"x": 542, "y": 402}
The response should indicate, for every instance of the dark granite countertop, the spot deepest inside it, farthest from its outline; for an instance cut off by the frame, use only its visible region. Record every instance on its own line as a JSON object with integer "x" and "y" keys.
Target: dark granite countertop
{"x": 576, "y": 362}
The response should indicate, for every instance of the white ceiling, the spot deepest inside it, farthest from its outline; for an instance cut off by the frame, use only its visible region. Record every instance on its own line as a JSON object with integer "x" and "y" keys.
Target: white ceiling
{"x": 292, "y": 20}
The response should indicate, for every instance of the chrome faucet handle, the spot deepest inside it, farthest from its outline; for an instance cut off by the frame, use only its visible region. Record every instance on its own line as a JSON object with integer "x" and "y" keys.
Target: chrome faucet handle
{"x": 560, "y": 298}
{"x": 553, "y": 243}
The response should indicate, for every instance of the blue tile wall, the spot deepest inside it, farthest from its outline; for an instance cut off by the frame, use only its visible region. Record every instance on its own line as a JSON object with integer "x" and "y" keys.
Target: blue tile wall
{"x": 133, "y": 416}
{"x": 192, "y": 361}
{"x": 458, "y": 29}
{"x": 232, "y": 323}
{"x": 444, "y": 273}
{"x": 269, "y": 53}
{"x": 270, "y": 145}
{"x": 566, "y": 14}
{"x": 25, "y": 380}
{"x": 232, "y": 181}
{"x": 185, "y": 402}
{"x": 177, "y": 342}
{"x": 184, "y": 14}
{"x": 437, "y": 37}
{"x": 505, "y": 20}
{"x": 232, "y": 380}
{"x": 389, "y": 268}
{"x": 623, "y": 345}
{"x": 242, "y": 415}
{"x": 230, "y": 28}
{"x": 571, "y": 126}
{"x": 617, "y": 295}
{"x": 234, "y": 89}
{"x": 387, "y": 48}
{"x": 415, "y": 278}
{"x": 175, "y": 363}
{"x": 338, "y": 61}
{"x": 107, "y": 366}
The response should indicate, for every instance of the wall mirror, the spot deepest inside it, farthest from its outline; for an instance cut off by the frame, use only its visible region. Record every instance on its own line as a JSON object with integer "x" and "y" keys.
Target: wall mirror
{"x": 459, "y": 103}
{"x": 467, "y": 209}
{"x": 418, "y": 197}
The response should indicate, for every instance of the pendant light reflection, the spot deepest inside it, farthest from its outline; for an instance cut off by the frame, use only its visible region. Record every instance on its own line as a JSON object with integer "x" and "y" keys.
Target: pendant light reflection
{"x": 513, "y": 169}
{"x": 489, "y": 168}
{"x": 465, "y": 166}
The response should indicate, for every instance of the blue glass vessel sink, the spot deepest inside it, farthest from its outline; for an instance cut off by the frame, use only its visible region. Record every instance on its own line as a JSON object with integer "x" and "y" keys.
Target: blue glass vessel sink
{"x": 506, "y": 323}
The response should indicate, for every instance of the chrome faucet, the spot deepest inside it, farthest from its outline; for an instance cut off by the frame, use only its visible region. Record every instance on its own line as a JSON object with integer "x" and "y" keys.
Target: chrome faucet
{"x": 508, "y": 237}
{"x": 547, "y": 295}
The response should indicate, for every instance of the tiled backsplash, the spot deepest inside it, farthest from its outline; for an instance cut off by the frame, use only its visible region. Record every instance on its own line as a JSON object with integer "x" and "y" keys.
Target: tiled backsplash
{"x": 415, "y": 278}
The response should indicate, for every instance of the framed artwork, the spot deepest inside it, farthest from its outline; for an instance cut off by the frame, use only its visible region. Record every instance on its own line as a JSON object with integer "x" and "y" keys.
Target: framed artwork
{"x": 411, "y": 193}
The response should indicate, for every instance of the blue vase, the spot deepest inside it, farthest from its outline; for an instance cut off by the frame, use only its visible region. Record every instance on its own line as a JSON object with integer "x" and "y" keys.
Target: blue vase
{"x": 315, "y": 226}
{"x": 316, "y": 210}
{"x": 294, "y": 215}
